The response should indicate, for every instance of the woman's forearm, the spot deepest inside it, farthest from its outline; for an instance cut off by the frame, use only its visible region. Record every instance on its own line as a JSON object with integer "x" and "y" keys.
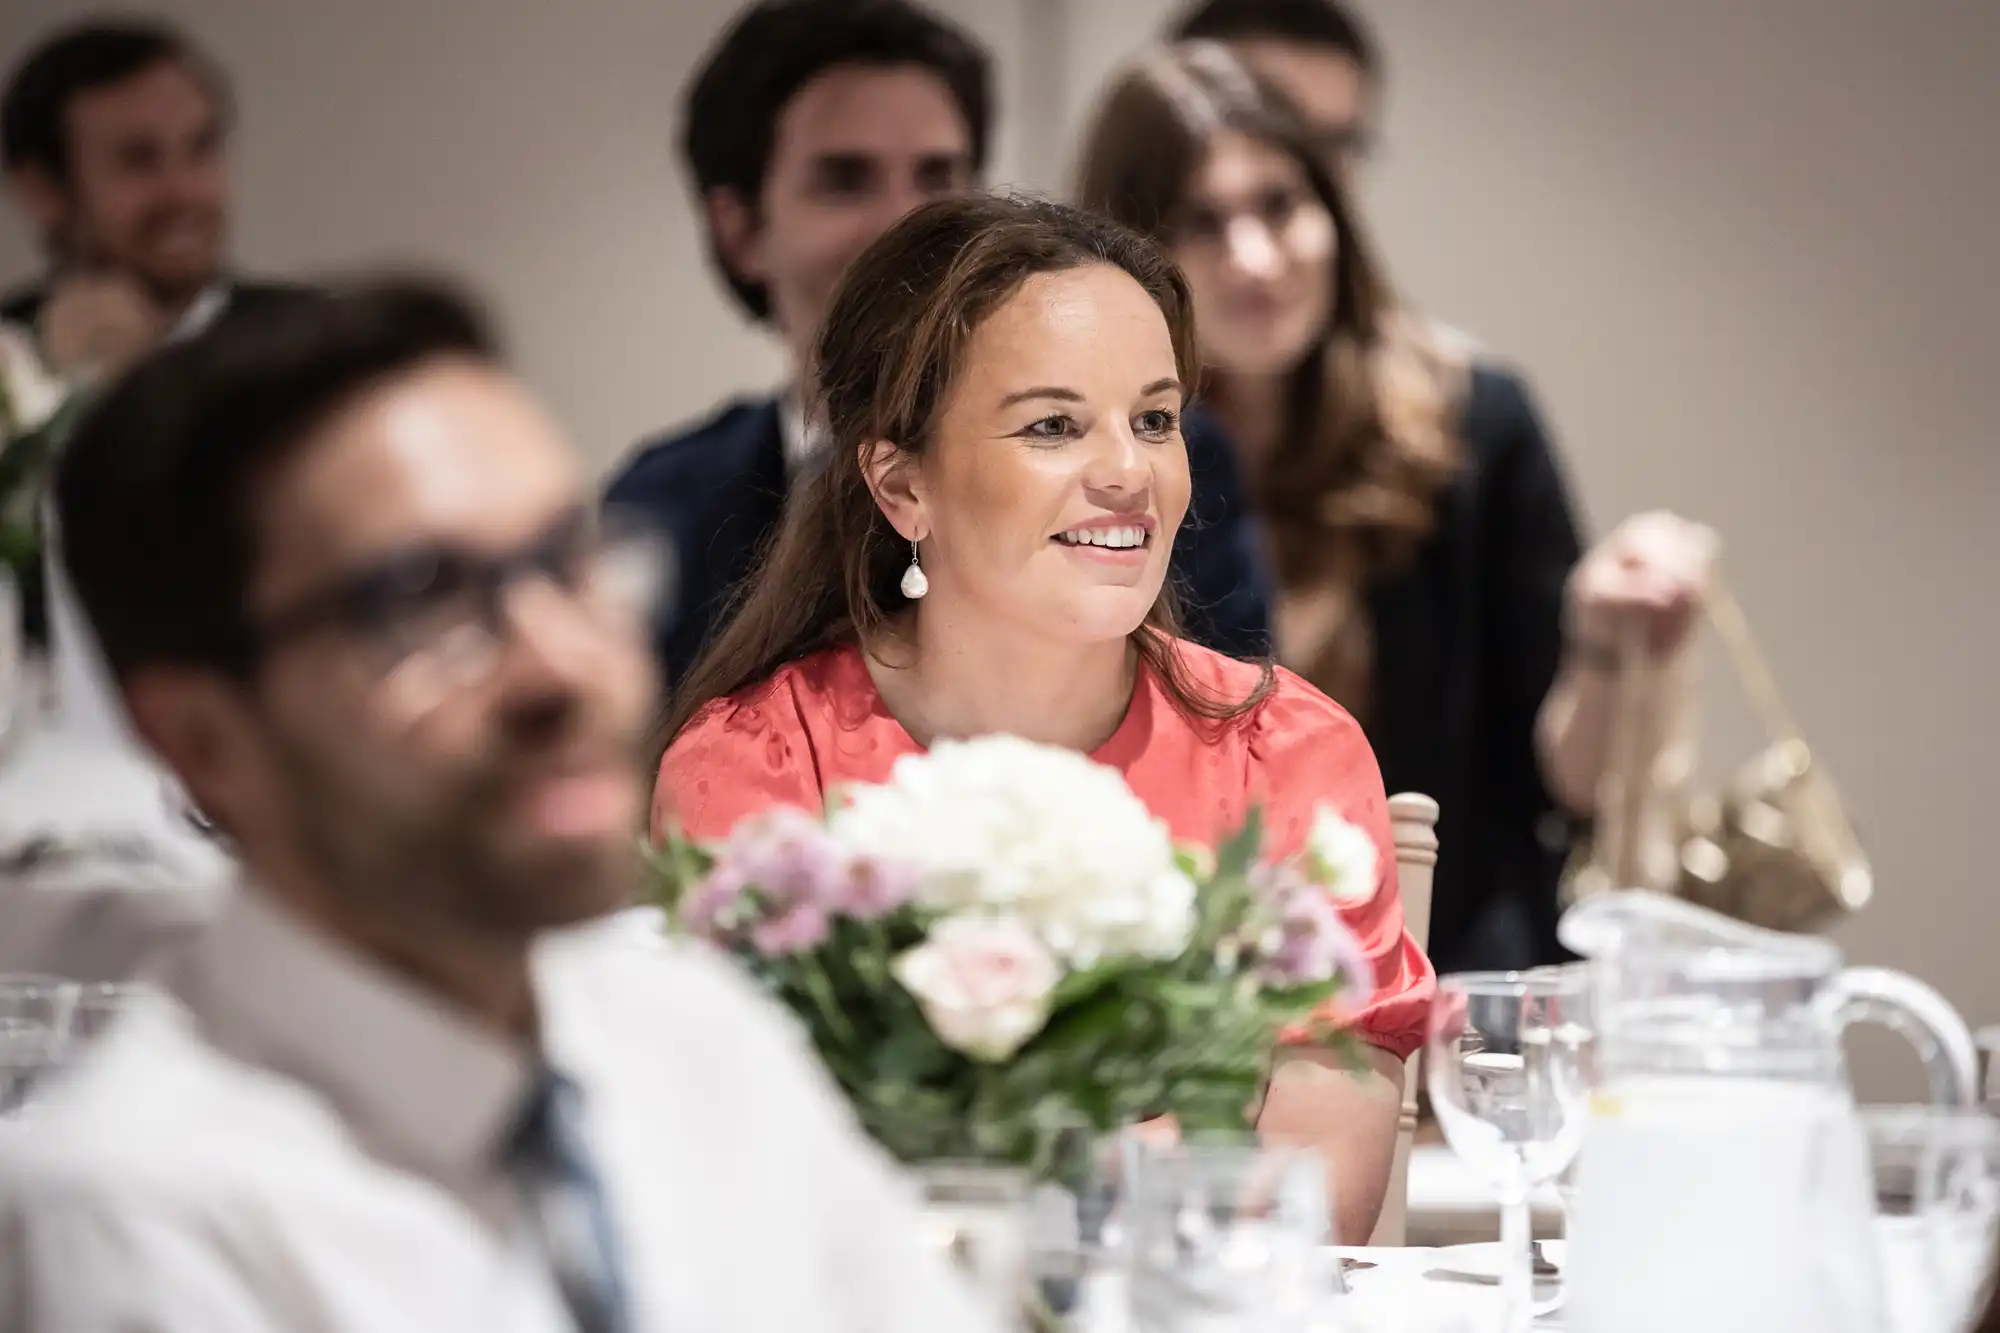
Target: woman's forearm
{"x": 1573, "y": 735}
{"x": 1349, "y": 1116}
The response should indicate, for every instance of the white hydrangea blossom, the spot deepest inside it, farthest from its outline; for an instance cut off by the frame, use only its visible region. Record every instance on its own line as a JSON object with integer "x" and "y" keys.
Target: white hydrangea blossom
{"x": 1004, "y": 826}
{"x": 1341, "y": 857}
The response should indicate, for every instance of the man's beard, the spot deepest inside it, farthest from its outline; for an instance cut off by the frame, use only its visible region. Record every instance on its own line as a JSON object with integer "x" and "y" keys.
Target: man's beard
{"x": 450, "y": 859}
{"x": 77, "y": 248}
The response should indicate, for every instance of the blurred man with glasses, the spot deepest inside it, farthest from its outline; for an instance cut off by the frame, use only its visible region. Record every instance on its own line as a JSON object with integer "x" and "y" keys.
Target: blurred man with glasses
{"x": 419, "y": 1072}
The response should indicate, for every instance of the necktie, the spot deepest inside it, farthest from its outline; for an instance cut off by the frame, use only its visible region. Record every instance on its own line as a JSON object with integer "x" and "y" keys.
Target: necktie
{"x": 551, "y": 1162}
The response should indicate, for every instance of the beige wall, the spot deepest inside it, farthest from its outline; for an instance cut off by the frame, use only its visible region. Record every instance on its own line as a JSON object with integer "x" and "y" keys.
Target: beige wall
{"x": 527, "y": 145}
{"x": 1743, "y": 249}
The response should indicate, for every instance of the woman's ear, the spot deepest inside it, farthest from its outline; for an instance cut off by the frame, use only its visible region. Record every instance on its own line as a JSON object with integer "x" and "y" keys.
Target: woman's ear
{"x": 896, "y": 481}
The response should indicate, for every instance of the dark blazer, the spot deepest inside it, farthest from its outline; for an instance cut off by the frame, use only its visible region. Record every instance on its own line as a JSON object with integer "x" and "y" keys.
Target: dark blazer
{"x": 23, "y": 305}
{"x": 1467, "y": 639}
{"x": 718, "y": 490}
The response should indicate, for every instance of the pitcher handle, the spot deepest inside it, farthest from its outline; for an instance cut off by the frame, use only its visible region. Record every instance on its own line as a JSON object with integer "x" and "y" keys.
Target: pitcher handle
{"x": 1901, "y": 1002}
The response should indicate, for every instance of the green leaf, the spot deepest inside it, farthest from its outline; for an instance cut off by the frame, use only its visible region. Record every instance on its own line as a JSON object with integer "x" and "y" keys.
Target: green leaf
{"x": 913, "y": 1054}
{"x": 1078, "y": 987}
{"x": 1235, "y": 858}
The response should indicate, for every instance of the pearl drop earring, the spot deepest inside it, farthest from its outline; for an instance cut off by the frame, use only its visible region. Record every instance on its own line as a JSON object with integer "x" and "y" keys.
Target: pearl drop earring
{"x": 915, "y": 585}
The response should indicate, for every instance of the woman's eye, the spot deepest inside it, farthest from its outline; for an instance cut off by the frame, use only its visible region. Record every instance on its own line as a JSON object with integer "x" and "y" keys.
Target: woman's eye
{"x": 1278, "y": 206}
{"x": 1200, "y": 224}
{"x": 1051, "y": 428}
{"x": 1157, "y": 422}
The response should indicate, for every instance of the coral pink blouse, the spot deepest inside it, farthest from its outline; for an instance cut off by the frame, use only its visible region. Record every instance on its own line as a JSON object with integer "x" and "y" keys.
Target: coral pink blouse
{"x": 819, "y": 723}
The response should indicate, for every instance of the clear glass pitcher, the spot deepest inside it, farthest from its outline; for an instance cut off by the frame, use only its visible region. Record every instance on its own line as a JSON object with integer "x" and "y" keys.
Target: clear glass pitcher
{"x": 1724, "y": 1181}
{"x": 1681, "y": 990}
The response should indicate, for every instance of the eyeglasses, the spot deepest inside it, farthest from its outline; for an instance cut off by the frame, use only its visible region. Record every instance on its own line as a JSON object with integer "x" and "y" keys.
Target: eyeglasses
{"x": 448, "y": 608}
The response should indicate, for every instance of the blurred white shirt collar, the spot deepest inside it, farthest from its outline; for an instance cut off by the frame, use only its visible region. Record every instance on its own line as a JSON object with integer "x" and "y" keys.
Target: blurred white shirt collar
{"x": 428, "y": 1087}
{"x": 804, "y": 440}
{"x": 299, "y": 1139}
{"x": 203, "y": 311}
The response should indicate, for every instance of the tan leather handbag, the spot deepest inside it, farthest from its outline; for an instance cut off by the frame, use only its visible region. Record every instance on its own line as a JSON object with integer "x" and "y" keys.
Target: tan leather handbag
{"x": 1774, "y": 847}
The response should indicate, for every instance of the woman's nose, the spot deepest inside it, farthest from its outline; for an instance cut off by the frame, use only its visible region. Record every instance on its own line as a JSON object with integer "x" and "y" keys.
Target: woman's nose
{"x": 1251, "y": 248}
{"x": 1119, "y": 461}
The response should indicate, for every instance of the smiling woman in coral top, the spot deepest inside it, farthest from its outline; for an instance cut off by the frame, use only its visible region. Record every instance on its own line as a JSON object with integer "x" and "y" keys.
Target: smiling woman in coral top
{"x": 986, "y": 551}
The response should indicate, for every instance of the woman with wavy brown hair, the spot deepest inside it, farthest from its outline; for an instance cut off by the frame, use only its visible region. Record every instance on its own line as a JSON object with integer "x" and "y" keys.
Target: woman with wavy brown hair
{"x": 986, "y": 550}
{"x": 1416, "y": 516}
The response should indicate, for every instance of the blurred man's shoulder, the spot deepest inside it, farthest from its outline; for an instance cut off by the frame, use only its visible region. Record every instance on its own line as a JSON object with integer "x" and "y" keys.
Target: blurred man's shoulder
{"x": 676, "y": 999}
{"x": 155, "y": 1117}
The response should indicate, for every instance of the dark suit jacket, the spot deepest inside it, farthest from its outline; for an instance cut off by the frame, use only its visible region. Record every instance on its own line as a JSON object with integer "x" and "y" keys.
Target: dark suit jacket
{"x": 718, "y": 490}
{"x": 23, "y": 305}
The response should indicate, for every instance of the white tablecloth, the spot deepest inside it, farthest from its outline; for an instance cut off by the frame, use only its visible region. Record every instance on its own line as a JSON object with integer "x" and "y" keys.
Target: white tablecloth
{"x": 1409, "y": 1290}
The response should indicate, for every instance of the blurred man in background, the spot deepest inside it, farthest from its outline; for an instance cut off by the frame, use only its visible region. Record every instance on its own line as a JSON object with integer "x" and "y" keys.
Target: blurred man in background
{"x": 414, "y": 1076}
{"x": 1321, "y": 56}
{"x": 114, "y": 135}
{"x": 811, "y": 128}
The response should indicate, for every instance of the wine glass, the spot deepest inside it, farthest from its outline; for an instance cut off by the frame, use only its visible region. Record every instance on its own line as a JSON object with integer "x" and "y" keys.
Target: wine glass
{"x": 35, "y": 1014}
{"x": 1574, "y": 1022}
{"x": 1937, "y": 1211}
{"x": 1508, "y": 1081}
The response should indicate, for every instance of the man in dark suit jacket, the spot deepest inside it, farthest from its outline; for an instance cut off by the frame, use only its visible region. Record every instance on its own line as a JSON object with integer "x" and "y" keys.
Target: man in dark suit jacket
{"x": 814, "y": 126}
{"x": 113, "y": 134}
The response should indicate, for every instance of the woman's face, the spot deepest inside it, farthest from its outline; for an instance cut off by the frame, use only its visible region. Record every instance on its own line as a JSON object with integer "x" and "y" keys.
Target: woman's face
{"x": 1258, "y": 247}
{"x": 1057, "y": 478}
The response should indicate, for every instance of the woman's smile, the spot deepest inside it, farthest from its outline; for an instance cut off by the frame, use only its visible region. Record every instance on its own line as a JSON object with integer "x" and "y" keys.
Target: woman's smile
{"x": 1118, "y": 539}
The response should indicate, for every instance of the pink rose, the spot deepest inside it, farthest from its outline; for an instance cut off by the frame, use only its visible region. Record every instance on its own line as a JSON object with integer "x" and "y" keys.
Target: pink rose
{"x": 983, "y": 984}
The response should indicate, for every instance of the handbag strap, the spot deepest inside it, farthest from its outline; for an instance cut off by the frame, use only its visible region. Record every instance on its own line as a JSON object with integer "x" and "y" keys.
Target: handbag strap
{"x": 1628, "y": 788}
{"x": 1752, "y": 669}
{"x": 1816, "y": 805}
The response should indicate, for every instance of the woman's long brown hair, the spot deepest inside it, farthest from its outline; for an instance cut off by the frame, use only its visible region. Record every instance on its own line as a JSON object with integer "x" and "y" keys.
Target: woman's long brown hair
{"x": 885, "y": 361}
{"x": 1368, "y": 439}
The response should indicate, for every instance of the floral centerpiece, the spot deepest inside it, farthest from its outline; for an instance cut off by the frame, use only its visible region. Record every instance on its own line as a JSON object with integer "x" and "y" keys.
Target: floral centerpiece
{"x": 36, "y": 411}
{"x": 1001, "y": 944}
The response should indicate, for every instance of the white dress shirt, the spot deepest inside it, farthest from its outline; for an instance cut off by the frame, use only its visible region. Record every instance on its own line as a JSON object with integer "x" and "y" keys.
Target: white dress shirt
{"x": 803, "y": 440}
{"x": 298, "y": 1140}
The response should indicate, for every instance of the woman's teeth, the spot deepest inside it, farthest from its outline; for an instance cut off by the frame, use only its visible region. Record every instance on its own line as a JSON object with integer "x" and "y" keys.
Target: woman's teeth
{"x": 1116, "y": 538}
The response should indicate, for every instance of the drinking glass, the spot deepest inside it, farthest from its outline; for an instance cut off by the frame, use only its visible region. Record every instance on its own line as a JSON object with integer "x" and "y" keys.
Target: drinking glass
{"x": 1987, "y": 1039}
{"x": 35, "y": 1015}
{"x": 1507, "y": 1073}
{"x": 98, "y": 1006}
{"x": 977, "y": 1216}
{"x": 1937, "y": 1211}
{"x": 12, "y": 689}
{"x": 1225, "y": 1236}
{"x": 1574, "y": 1022}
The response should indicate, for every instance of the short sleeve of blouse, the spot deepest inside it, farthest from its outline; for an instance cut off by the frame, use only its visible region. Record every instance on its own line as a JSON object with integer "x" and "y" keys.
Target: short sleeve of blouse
{"x": 1307, "y": 752}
